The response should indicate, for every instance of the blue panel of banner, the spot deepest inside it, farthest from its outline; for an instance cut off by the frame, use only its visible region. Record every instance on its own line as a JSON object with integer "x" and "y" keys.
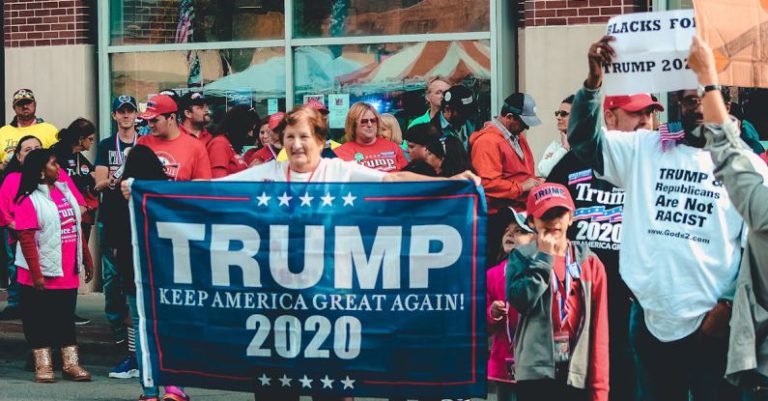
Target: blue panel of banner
{"x": 325, "y": 289}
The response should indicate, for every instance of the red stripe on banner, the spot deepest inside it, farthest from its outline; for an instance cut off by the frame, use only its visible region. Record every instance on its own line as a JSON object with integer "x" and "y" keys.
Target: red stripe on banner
{"x": 421, "y": 383}
{"x": 152, "y": 281}
{"x": 388, "y": 198}
{"x": 474, "y": 288}
{"x": 226, "y": 198}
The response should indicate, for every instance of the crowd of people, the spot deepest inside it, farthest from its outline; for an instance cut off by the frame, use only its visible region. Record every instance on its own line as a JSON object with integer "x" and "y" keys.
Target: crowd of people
{"x": 627, "y": 265}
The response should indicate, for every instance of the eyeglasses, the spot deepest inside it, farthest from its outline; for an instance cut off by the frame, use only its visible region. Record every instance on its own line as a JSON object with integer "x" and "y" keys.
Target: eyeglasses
{"x": 562, "y": 113}
{"x": 690, "y": 102}
{"x": 366, "y": 121}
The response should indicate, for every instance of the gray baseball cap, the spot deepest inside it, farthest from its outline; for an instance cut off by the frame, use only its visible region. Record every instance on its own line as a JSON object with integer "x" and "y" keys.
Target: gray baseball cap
{"x": 523, "y": 105}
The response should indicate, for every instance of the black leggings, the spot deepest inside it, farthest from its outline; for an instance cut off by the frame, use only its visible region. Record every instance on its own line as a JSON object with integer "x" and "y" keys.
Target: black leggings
{"x": 48, "y": 317}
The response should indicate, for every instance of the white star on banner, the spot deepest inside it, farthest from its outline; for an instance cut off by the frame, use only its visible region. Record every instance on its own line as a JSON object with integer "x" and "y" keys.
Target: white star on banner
{"x": 265, "y": 380}
{"x": 349, "y": 199}
{"x": 306, "y": 382}
{"x": 306, "y": 199}
{"x": 327, "y": 382}
{"x": 263, "y": 199}
{"x": 285, "y": 381}
{"x": 284, "y": 199}
{"x": 328, "y": 199}
{"x": 348, "y": 383}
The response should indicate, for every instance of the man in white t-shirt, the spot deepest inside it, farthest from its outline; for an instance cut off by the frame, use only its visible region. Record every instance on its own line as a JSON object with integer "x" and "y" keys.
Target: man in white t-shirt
{"x": 680, "y": 247}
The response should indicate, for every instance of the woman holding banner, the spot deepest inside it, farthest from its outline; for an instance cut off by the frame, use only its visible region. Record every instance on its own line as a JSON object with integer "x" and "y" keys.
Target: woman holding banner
{"x": 303, "y": 133}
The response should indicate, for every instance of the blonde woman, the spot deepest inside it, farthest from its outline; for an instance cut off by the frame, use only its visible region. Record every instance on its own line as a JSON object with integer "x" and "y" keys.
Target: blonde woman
{"x": 365, "y": 145}
{"x": 390, "y": 129}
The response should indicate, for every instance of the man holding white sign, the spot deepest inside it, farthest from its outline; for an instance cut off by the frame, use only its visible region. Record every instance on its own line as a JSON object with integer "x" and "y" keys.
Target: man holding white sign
{"x": 675, "y": 213}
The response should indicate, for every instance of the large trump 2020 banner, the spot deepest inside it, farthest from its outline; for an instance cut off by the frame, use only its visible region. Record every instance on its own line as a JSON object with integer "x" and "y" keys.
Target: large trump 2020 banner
{"x": 337, "y": 289}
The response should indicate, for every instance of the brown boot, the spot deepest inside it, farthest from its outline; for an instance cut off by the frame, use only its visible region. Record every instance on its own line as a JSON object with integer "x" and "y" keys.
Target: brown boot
{"x": 43, "y": 365}
{"x": 71, "y": 365}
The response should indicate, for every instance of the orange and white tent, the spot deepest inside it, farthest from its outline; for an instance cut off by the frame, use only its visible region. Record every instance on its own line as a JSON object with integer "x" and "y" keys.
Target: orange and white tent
{"x": 455, "y": 60}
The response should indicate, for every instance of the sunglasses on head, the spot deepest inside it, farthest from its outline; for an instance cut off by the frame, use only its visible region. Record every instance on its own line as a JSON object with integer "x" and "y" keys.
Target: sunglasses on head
{"x": 23, "y": 94}
{"x": 365, "y": 121}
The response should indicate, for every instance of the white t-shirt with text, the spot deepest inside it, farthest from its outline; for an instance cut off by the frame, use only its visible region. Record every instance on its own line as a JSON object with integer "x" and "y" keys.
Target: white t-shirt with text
{"x": 680, "y": 247}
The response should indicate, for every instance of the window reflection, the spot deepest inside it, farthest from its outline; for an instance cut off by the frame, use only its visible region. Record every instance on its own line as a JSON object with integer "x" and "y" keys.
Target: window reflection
{"x": 227, "y": 76}
{"x": 313, "y": 18}
{"x": 191, "y": 21}
{"x": 391, "y": 76}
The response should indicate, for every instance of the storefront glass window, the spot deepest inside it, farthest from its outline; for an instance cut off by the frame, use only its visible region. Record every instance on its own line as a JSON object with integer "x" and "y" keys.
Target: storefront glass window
{"x": 392, "y": 77}
{"x": 254, "y": 77}
{"x": 194, "y": 21}
{"x": 322, "y": 18}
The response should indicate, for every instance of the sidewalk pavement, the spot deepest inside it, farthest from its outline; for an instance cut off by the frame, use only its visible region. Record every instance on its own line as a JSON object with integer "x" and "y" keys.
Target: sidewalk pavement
{"x": 95, "y": 338}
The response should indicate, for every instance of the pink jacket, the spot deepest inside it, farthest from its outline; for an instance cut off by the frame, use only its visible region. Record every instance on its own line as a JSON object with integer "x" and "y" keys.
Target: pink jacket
{"x": 500, "y": 347}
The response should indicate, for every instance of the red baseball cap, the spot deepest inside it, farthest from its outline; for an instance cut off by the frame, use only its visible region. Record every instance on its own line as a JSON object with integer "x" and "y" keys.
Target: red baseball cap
{"x": 317, "y": 105}
{"x": 157, "y": 105}
{"x": 547, "y": 196}
{"x": 275, "y": 120}
{"x": 631, "y": 103}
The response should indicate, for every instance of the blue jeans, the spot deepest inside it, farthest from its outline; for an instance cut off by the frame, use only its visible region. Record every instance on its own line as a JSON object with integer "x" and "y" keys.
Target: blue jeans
{"x": 115, "y": 303}
{"x": 671, "y": 371}
{"x": 14, "y": 290}
{"x": 152, "y": 391}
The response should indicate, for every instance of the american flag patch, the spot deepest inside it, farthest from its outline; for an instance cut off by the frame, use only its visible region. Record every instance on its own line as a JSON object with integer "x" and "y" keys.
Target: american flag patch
{"x": 599, "y": 213}
{"x": 580, "y": 176}
{"x": 671, "y": 133}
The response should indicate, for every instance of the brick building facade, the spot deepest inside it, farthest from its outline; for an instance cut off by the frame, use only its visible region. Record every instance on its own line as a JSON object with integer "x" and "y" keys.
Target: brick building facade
{"x": 576, "y": 12}
{"x": 29, "y": 23}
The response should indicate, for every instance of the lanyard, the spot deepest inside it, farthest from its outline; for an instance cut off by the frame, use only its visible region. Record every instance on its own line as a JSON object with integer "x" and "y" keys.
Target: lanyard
{"x": 572, "y": 270}
{"x": 274, "y": 156}
{"x": 120, "y": 151}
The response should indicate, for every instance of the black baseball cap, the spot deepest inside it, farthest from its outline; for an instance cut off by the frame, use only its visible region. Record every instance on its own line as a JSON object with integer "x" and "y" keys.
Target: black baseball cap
{"x": 459, "y": 97}
{"x": 193, "y": 99}
{"x": 422, "y": 134}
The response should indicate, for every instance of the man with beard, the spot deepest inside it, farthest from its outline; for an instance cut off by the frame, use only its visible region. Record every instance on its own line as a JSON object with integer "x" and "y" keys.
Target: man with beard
{"x": 195, "y": 116}
{"x": 681, "y": 247}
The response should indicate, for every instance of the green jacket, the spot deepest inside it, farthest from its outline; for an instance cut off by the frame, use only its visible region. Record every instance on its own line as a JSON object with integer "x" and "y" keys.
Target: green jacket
{"x": 422, "y": 119}
{"x": 743, "y": 173}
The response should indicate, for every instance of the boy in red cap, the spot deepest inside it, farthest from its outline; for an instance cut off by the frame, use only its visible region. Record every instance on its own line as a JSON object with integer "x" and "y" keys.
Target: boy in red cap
{"x": 184, "y": 158}
{"x": 559, "y": 289}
